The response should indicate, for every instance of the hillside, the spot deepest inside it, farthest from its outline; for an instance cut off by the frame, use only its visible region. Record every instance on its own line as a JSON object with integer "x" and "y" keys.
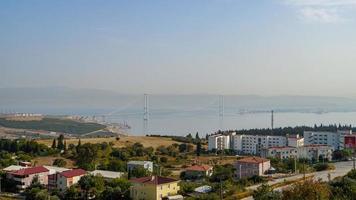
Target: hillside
{"x": 53, "y": 124}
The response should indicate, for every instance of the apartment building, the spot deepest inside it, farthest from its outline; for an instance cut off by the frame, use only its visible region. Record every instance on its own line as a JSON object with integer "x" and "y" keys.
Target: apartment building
{"x": 219, "y": 142}
{"x": 280, "y": 152}
{"x": 315, "y": 152}
{"x": 68, "y": 178}
{"x": 253, "y": 144}
{"x": 334, "y": 139}
{"x": 153, "y": 188}
{"x": 250, "y": 166}
{"x": 350, "y": 142}
{"x": 24, "y": 177}
{"x": 295, "y": 141}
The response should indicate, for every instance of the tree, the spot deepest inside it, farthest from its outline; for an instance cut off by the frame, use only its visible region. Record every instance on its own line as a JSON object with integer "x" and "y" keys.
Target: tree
{"x": 65, "y": 145}
{"x": 306, "y": 190}
{"x": 54, "y": 146}
{"x": 265, "y": 192}
{"x": 91, "y": 185}
{"x": 59, "y": 162}
{"x": 198, "y": 148}
{"x": 197, "y": 136}
{"x": 138, "y": 172}
{"x": 116, "y": 189}
{"x": 60, "y": 143}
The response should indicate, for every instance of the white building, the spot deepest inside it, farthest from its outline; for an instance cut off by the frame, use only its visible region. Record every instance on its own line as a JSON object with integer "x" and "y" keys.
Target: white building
{"x": 280, "y": 152}
{"x": 295, "y": 141}
{"x": 107, "y": 175}
{"x": 310, "y": 152}
{"x": 334, "y": 139}
{"x": 315, "y": 152}
{"x": 219, "y": 142}
{"x": 148, "y": 165}
{"x": 253, "y": 144}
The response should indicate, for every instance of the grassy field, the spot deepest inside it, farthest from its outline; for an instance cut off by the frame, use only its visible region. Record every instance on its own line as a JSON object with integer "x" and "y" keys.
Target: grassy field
{"x": 124, "y": 141}
{"x": 53, "y": 124}
{"x": 48, "y": 160}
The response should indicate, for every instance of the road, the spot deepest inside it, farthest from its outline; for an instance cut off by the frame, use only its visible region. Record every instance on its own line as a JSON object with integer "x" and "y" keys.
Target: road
{"x": 341, "y": 168}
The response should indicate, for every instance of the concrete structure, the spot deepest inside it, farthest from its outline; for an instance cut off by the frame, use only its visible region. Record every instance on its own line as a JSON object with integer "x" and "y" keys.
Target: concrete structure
{"x": 198, "y": 171}
{"x": 253, "y": 144}
{"x": 315, "y": 152}
{"x": 107, "y": 174}
{"x": 334, "y": 139}
{"x": 148, "y": 165}
{"x": 295, "y": 141}
{"x": 250, "y": 166}
{"x": 68, "y": 178}
{"x": 153, "y": 188}
{"x": 24, "y": 177}
{"x": 219, "y": 142}
{"x": 280, "y": 152}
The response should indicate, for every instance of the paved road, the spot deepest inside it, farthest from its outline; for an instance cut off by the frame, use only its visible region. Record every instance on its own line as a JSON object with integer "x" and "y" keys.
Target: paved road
{"x": 341, "y": 168}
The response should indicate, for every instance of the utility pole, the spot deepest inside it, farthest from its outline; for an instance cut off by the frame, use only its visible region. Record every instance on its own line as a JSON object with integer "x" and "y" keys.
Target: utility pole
{"x": 295, "y": 164}
{"x": 272, "y": 121}
{"x": 221, "y": 192}
{"x": 221, "y": 112}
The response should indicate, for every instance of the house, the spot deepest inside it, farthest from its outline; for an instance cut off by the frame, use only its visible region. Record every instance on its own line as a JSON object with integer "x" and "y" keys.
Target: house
{"x": 68, "y": 178}
{"x": 25, "y": 176}
{"x": 52, "y": 175}
{"x": 250, "y": 166}
{"x": 13, "y": 168}
{"x": 148, "y": 165}
{"x": 153, "y": 188}
{"x": 198, "y": 171}
{"x": 107, "y": 175}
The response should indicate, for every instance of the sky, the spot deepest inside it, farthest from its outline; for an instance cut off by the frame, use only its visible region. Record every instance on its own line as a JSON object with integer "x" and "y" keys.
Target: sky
{"x": 263, "y": 47}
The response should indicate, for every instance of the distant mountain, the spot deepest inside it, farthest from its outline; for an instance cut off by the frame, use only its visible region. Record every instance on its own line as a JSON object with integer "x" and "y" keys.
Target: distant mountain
{"x": 63, "y": 100}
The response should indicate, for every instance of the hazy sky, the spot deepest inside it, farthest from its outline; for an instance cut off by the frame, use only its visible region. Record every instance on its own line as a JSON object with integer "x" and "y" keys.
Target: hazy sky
{"x": 268, "y": 47}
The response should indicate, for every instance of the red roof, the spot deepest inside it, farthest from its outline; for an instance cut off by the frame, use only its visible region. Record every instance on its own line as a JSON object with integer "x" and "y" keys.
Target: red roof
{"x": 155, "y": 180}
{"x": 29, "y": 171}
{"x": 201, "y": 168}
{"x": 255, "y": 160}
{"x": 315, "y": 145}
{"x": 72, "y": 173}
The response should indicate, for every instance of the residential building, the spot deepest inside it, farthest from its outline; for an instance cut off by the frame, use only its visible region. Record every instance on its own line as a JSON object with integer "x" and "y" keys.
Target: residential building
{"x": 253, "y": 144}
{"x": 295, "y": 140}
{"x": 198, "y": 171}
{"x": 350, "y": 142}
{"x": 25, "y": 176}
{"x": 52, "y": 175}
{"x": 153, "y": 188}
{"x": 219, "y": 142}
{"x": 334, "y": 139}
{"x": 148, "y": 165}
{"x": 250, "y": 166}
{"x": 315, "y": 152}
{"x": 280, "y": 152}
{"x": 68, "y": 178}
{"x": 107, "y": 175}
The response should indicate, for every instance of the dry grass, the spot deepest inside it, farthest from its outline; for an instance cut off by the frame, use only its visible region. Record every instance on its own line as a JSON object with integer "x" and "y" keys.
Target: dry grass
{"x": 48, "y": 160}
{"x": 123, "y": 142}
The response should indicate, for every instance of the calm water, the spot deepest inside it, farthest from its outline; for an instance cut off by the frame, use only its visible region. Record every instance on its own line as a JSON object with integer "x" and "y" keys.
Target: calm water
{"x": 181, "y": 124}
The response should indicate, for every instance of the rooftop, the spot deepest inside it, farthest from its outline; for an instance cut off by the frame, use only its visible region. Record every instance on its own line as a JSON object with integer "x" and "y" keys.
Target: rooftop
{"x": 73, "y": 173}
{"x": 138, "y": 162}
{"x": 13, "y": 168}
{"x": 107, "y": 174}
{"x": 29, "y": 171}
{"x": 155, "y": 180}
{"x": 199, "y": 168}
{"x": 256, "y": 160}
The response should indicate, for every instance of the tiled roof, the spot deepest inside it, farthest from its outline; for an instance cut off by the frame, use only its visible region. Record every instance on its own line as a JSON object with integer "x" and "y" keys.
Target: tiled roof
{"x": 29, "y": 171}
{"x": 73, "y": 173}
{"x": 253, "y": 160}
{"x": 155, "y": 180}
{"x": 199, "y": 168}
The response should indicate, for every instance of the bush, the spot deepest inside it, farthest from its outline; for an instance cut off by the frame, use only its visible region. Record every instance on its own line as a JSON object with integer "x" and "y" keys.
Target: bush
{"x": 163, "y": 159}
{"x": 323, "y": 166}
{"x": 59, "y": 162}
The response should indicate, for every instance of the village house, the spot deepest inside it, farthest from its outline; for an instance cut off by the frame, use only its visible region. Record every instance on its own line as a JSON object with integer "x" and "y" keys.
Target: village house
{"x": 198, "y": 171}
{"x": 24, "y": 177}
{"x": 153, "y": 188}
{"x": 251, "y": 166}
